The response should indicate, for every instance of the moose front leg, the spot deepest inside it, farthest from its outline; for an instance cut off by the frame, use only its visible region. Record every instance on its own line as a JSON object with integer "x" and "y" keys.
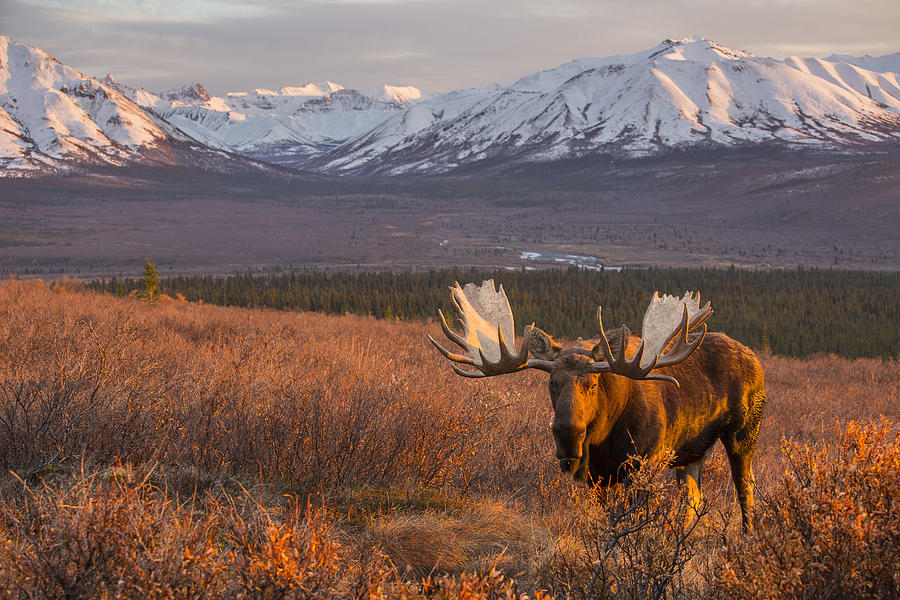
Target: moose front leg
{"x": 691, "y": 477}
{"x": 583, "y": 473}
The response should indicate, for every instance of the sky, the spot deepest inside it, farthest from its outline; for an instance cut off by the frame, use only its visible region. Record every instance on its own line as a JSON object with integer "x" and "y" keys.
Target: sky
{"x": 436, "y": 45}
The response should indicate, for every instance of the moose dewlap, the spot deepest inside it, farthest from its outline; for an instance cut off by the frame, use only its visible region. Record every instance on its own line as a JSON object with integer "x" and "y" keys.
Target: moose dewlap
{"x": 614, "y": 399}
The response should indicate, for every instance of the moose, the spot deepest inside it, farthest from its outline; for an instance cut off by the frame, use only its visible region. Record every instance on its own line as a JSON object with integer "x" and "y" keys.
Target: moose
{"x": 627, "y": 396}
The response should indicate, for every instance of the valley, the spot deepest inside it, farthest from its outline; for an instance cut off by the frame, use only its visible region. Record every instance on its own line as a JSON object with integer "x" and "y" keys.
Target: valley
{"x": 749, "y": 209}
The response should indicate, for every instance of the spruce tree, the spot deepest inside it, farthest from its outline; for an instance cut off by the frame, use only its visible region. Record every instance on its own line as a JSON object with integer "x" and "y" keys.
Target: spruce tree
{"x": 150, "y": 278}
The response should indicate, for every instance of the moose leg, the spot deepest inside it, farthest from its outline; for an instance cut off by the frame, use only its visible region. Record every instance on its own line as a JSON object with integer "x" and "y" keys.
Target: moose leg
{"x": 691, "y": 476}
{"x": 739, "y": 447}
{"x": 742, "y": 474}
{"x": 688, "y": 478}
{"x": 583, "y": 473}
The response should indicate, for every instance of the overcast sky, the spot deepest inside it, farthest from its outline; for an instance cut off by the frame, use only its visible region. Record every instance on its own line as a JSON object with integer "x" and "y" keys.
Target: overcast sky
{"x": 437, "y": 45}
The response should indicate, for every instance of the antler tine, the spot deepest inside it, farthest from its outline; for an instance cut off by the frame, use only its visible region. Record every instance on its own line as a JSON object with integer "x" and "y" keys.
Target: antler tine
{"x": 661, "y": 377}
{"x": 454, "y": 337}
{"x": 470, "y": 374}
{"x": 683, "y": 348}
{"x": 702, "y": 314}
{"x": 604, "y": 341}
{"x": 619, "y": 364}
{"x": 460, "y": 358}
{"x": 505, "y": 354}
{"x": 701, "y": 318}
{"x": 631, "y": 367}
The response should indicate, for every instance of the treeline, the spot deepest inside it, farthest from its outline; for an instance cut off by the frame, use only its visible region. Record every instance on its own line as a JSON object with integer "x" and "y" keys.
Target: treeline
{"x": 793, "y": 313}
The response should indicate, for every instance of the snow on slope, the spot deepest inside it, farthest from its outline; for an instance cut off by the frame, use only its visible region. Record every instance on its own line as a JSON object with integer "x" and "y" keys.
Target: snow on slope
{"x": 681, "y": 93}
{"x": 890, "y": 63}
{"x": 393, "y": 93}
{"x": 689, "y": 92}
{"x": 51, "y": 113}
{"x": 284, "y": 126}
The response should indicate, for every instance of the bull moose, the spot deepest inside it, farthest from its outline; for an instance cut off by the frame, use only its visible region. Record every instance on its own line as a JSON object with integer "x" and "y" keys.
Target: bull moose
{"x": 628, "y": 395}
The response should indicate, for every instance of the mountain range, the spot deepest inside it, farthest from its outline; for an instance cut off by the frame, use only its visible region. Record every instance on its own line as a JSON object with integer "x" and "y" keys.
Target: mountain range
{"x": 680, "y": 95}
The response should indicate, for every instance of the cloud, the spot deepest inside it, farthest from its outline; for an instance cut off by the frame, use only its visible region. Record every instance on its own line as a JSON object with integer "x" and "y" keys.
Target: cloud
{"x": 438, "y": 45}
{"x": 391, "y": 55}
{"x": 158, "y": 11}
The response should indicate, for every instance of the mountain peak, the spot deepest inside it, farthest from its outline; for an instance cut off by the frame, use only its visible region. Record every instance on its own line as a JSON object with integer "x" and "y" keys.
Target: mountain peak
{"x": 10, "y": 47}
{"x": 195, "y": 91}
{"x": 696, "y": 48}
{"x": 395, "y": 93}
{"x": 54, "y": 116}
{"x": 313, "y": 88}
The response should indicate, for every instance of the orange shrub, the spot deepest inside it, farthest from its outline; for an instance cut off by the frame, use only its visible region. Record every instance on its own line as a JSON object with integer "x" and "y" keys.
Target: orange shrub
{"x": 832, "y": 526}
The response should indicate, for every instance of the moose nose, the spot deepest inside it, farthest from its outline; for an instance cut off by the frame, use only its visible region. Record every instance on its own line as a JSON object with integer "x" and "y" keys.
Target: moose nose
{"x": 569, "y": 465}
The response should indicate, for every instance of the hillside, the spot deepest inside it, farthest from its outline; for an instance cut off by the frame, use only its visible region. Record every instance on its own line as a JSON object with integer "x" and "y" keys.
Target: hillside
{"x": 55, "y": 119}
{"x": 199, "y": 432}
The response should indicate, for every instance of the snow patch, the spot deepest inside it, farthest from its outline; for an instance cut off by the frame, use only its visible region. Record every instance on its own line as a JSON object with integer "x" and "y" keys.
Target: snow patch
{"x": 589, "y": 263}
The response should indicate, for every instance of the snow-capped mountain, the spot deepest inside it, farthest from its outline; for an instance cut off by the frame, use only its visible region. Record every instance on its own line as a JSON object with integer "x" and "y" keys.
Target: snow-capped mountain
{"x": 286, "y": 126}
{"x": 681, "y": 94}
{"x": 685, "y": 93}
{"x": 53, "y": 117}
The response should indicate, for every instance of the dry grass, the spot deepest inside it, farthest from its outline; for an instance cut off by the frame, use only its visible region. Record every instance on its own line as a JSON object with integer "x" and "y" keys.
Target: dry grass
{"x": 186, "y": 439}
{"x": 481, "y": 535}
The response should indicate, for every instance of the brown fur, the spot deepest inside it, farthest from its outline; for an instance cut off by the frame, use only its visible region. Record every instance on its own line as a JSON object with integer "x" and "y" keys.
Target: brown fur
{"x": 601, "y": 420}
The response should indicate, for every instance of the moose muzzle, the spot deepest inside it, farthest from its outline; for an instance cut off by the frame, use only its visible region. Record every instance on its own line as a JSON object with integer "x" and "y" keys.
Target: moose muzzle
{"x": 569, "y": 465}
{"x": 569, "y": 441}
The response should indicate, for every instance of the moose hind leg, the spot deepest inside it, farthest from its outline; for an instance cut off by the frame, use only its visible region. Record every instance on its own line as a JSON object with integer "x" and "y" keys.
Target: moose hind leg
{"x": 744, "y": 483}
{"x": 739, "y": 447}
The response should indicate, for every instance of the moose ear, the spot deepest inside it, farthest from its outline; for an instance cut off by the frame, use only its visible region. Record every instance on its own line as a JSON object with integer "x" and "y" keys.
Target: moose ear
{"x": 616, "y": 337}
{"x": 542, "y": 345}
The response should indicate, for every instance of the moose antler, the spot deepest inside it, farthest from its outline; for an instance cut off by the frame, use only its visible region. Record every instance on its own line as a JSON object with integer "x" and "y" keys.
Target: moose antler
{"x": 664, "y": 338}
{"x": 486, "y": 320}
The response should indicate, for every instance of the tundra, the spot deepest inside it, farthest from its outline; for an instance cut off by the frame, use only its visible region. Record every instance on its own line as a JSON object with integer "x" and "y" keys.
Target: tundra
{"x": 674, "y": 388}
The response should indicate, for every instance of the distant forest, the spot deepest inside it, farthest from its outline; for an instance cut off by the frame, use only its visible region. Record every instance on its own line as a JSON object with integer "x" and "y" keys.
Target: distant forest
{"x": 792, "y": 313}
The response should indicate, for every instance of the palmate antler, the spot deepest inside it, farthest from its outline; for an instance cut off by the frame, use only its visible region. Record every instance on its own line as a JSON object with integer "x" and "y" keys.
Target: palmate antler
{"x": 664, "y": 338}
{"x": 486, "y": 320}
{"x": 488, "y": 327}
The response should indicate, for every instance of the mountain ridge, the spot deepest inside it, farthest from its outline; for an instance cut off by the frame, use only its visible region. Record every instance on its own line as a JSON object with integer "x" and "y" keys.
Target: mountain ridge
{"x": 685, "y": 94}
{"x": 285, "y": 126}
{"x": 680, "y": 94}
